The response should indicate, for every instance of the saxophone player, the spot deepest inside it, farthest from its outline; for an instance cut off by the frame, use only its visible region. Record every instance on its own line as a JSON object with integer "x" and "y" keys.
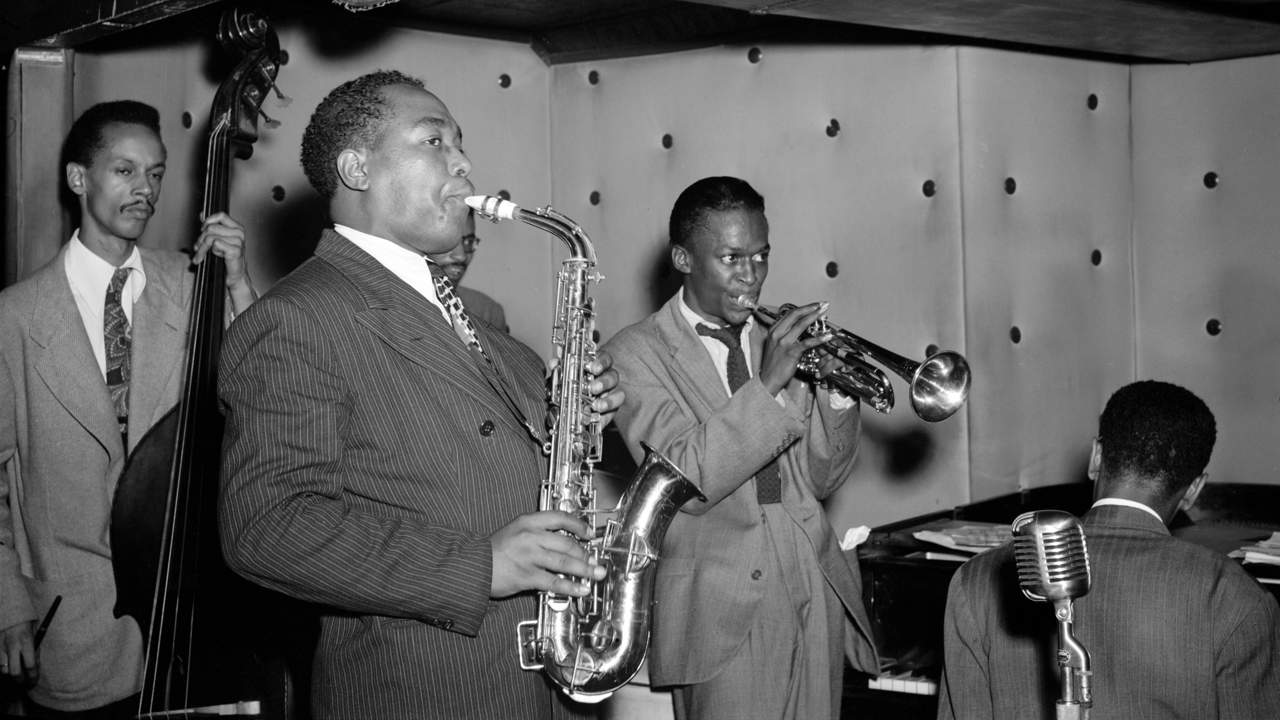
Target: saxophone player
{"x": 383, "y": 453}
{"x": 755, "y": 603}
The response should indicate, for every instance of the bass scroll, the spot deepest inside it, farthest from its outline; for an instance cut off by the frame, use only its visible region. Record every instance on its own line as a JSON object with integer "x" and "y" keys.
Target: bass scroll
{"x": 591, "y": 646}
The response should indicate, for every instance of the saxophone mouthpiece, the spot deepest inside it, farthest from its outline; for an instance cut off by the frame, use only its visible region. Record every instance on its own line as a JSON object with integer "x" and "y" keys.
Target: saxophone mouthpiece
{"x": 492, "y": 207}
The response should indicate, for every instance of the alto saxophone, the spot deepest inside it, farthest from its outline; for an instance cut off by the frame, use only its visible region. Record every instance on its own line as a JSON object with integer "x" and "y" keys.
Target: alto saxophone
{"x": 593, "y": 645}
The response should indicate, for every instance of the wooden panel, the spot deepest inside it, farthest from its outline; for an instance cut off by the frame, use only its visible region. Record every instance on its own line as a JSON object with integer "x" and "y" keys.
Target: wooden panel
{"x": 855, "y": 199}
{"x": 1029, "y": 260}
{"x": 1207, "y": 254}
{"x": 38, "y": 113}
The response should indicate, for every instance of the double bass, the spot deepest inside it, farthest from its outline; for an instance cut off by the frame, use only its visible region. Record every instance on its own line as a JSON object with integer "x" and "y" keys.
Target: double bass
{"x": 212, "y": 645}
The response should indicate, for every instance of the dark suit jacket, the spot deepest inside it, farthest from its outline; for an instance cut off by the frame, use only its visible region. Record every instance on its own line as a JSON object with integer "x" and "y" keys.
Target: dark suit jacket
{"x": 707, "y": 591}
{"x": 60, "y": 459}
{"x": 367, "y": 462}
{"x": 1173, "y": 630}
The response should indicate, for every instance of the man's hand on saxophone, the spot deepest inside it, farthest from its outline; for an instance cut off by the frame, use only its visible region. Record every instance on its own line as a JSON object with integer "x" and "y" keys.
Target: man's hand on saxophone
{"x": 608, "y": 396}
{"x": 531, "y": 553}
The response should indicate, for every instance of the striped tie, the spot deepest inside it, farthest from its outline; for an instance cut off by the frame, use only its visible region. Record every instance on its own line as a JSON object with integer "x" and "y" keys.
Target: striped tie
{"x": 119, "y": 340}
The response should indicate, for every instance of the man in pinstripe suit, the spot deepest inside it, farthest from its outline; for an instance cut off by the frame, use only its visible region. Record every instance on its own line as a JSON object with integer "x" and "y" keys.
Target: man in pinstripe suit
{"x": 383, "y": 459}
{"x": 1174, "y": 630}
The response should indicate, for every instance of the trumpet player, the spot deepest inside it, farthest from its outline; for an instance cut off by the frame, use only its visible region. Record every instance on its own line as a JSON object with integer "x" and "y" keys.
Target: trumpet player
{"x": 755, "y": 603}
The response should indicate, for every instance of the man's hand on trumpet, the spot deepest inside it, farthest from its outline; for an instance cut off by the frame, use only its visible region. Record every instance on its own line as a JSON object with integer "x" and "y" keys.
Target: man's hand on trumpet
{"x": 786, "y": 342}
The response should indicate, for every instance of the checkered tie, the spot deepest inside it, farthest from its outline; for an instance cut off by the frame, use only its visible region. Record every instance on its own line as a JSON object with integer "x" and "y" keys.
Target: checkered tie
{"x": 461, "y": 323}
{"x": 119, "y": 340}
{"x": 768, "y": 479}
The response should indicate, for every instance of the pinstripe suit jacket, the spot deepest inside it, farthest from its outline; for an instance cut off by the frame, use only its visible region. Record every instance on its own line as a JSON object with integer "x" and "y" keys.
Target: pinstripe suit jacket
{"x": 366, "y": 463}
{"x": 1173, "y": 630}
{"x": 708, "y": 586}
{"x": 60, "y": 458}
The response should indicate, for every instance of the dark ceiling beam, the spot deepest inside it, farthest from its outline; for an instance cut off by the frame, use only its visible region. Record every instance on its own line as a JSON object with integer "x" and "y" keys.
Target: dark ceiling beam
{"x": 1168, "y": 30}
{"x": 68, "y": 23}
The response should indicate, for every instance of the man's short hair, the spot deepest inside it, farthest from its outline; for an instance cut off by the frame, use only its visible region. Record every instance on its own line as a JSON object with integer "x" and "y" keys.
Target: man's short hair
{"x": 85, "y": 138}
{"x": 350, "y": 116}
{"x": 712, "y": 194}
{"x": 1158, "y": 431}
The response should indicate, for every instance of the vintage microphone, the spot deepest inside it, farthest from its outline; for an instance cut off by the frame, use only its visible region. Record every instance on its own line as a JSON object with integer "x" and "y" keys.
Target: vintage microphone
{"x": 1053, "y": 566}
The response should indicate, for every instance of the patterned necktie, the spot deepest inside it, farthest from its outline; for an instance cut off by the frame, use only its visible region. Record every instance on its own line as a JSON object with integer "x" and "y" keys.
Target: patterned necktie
{"x": 768, "y": 479}
{"x": 461, "y": 323}
{"x": 119, "y": 340}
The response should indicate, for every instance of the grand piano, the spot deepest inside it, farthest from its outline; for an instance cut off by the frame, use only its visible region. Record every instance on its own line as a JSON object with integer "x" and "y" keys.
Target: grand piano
{"x": 905, "y": 580}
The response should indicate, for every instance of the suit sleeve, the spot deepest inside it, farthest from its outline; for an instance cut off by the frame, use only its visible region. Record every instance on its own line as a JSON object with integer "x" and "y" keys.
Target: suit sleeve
{"x": 719, "y": 453}
{"x": 963, "y": 694}
{"x": 15, "y": 604}
{"x": 832, "y": 444}
{"x": 1247, "y": 670}
{"x": 283, "y": 515}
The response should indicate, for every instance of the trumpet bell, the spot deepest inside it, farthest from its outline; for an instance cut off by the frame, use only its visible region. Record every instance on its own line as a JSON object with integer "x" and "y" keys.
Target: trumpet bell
{"x": 939, "y": 386}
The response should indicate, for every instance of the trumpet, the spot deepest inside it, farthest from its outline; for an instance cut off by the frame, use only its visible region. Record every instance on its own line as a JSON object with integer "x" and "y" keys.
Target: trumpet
{"x": 939, "y": 384}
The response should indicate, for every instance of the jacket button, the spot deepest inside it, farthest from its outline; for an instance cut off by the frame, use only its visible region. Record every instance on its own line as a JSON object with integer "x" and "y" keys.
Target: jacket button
{"x": 486, "y": 428}
{"x": 755, "y": 574}
{"x": 446, "y": 624}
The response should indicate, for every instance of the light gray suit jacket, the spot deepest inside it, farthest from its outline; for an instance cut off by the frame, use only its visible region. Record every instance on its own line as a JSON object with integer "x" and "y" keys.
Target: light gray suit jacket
{"x": 60, "y": 458}
{"x": 367, "y": 462}
{"x": 707, "y": 588}
{"x": 1173, "y": 630}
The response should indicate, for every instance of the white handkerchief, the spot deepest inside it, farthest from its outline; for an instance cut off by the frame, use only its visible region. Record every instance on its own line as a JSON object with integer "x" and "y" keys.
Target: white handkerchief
{"x": 854, "y": 536}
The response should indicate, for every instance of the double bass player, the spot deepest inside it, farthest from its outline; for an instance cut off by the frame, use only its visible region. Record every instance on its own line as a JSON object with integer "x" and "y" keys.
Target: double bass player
{"x": 91, "y": 355}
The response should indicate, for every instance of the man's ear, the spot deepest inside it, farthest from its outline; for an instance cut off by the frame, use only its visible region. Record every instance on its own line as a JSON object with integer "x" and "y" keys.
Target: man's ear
{"x": 680, "y": 259}
{"x": 1095, "y": 460}
{"x": 1193, "y": 492}
{"x": 75, "y": 177}
{"x": 351, "y": 169}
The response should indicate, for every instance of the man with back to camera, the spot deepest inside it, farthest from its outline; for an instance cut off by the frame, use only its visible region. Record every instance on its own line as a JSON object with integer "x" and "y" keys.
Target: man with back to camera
{"x": 92, "y": 349}
{"x": 755, "y": 605}
{"x": 455, "y": 263}
{"x": 1173, "y": 629}
{"x": 383, "y": 453}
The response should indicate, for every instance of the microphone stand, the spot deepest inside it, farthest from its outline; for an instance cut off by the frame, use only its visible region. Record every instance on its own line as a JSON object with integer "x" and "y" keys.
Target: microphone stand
{"x": 1073, "y": 667}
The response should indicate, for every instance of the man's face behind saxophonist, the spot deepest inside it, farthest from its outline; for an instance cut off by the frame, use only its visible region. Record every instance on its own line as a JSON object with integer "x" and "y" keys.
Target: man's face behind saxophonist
{"x": 726, "y": 256}
{"x": 401, "y": 172}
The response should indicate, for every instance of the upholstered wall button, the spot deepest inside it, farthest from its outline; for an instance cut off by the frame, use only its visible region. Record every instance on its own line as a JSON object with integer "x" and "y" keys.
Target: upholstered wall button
{"x": 756, "y": 574}
{"x": 486, "y": 428}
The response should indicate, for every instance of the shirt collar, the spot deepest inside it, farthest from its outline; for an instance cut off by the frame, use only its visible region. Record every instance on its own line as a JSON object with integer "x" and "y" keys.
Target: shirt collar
{"x": 694, "y": 319}
{"x": 1129, "y": 504}
{"x": 408, "y": 265}
{"x": 91, "y": 274}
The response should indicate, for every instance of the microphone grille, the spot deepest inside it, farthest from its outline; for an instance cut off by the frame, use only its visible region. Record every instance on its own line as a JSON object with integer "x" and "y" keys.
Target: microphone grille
{"x": 1051, "y": 554}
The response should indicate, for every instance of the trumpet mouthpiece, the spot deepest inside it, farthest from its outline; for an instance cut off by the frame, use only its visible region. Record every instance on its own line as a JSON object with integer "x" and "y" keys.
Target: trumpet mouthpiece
{"x": 747, "y": 301}
{"x": 491, "y": 207}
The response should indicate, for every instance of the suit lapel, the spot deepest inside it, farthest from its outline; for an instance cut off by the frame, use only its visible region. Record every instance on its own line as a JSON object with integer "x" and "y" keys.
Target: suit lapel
{"x": 407, "y": 322}
{"x": 65, "y": 361}
{"x": 159, "y": 326}
{"x": 691, "y": 364}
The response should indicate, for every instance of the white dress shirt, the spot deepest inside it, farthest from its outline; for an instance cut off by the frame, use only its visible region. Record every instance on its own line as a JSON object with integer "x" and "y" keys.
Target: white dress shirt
{"x": 89, "y": 276}
{"x": 1129, "y": 504}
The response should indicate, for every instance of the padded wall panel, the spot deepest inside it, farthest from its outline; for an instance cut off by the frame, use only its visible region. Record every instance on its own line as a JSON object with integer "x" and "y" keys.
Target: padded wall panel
{"x": 505, "y": 131}
{"x": 852, "y": 196}
{"x": 1028, "y": 263}
{"x": 1207, "y": 254}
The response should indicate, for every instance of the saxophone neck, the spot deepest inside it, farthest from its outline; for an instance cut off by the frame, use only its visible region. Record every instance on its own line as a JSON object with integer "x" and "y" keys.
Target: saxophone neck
{"x": 546, "y": 219}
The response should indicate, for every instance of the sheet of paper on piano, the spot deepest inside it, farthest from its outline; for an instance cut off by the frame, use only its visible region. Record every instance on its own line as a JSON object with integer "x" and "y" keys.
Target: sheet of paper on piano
{"x": 1265, "y": 553}
{"x": 970, "y": 537}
